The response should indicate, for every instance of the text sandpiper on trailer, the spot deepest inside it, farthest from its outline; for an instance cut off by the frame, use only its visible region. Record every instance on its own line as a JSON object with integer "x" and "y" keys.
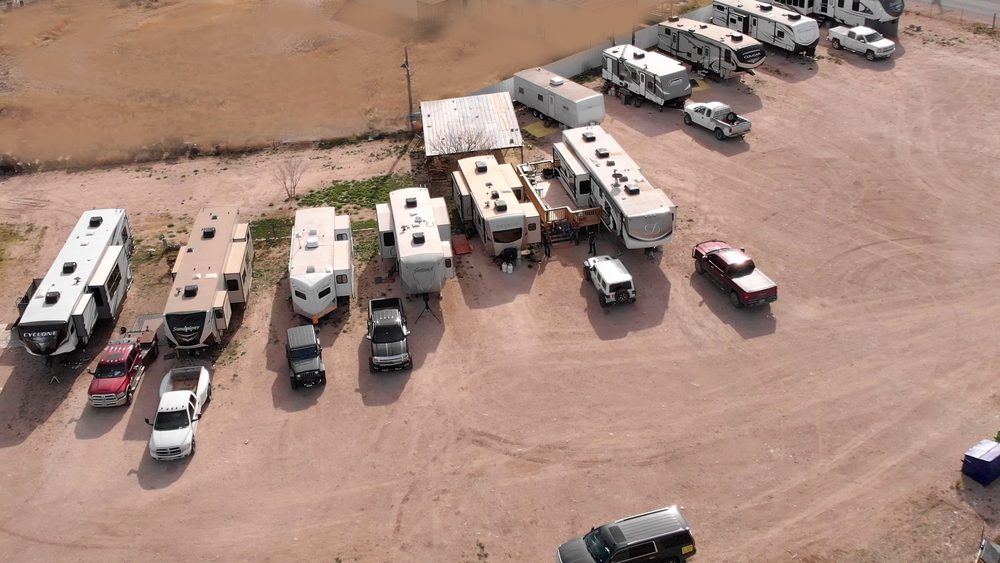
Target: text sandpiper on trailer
{"x": 638, "y": 213}
{"x": 768, "y": 24}
{"x": 321, "y": 262}
{"x": 489, "y": 198}
{"x": 647, "y": 74}
{"x": 880, "y": 15}
{"x": 213, "y": 272}
{"x": 555, "y": 98}
{"x": 86, "y": 283}
{"x": 414, "y": 230}
{"x": 704, "y": 45}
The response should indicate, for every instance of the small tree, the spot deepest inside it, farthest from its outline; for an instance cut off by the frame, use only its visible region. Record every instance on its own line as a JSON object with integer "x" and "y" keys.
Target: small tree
{"x": 288, "y": 173}
{"x": 463, "y": 139}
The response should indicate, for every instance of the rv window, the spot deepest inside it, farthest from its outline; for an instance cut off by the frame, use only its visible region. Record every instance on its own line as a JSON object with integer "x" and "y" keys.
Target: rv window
{"x": 447, "y": 262}
{"x": 520, "y": 90}
{"x": 635, "y": 75}
{"x": 507, "y": 235}
{"x": 342, "y": 278}
{"x": 388, "y": 239}
{"x": 326, "y": 291}
{"x": 699, "y": 50}
{"x": 114, "y": 280}
{"x": 219, "y": 314}
{"x": 729, "y": 56}
{"x": 299, "y": 294}
{"x": 342, "y": 236}
{"x": 541, "y": 98}
{"x": 233, "y": 285}
{"x": 584, "y": 187}
{"x": 719, "y": 8}
{"x": 532, "y": 226}
{"x": 732, "y": 20}
{"x": 840, "y": 3}
{"x": 780, "y": 34}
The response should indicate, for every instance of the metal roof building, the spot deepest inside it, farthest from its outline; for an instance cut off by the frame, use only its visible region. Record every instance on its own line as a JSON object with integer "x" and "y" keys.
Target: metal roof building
{"x": 471, "y": 124}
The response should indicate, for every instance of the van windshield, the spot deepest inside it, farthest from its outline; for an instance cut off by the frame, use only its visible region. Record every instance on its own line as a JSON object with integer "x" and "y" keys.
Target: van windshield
{"x": 171, "y": 420}
{"x": 596, "y": 546}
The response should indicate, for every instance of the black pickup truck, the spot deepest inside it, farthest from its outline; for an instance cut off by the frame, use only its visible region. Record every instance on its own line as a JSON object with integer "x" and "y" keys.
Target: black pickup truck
{"x": 387, "y": 333}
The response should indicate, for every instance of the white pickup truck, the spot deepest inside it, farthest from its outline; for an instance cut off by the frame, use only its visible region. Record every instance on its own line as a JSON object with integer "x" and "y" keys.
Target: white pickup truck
{"x": 718, "y": 118}
{"x": 862, "y": 40}
{"x": 183, "y": 395}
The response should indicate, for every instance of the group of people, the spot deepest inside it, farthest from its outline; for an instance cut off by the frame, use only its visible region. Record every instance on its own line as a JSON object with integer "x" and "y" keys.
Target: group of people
{"x": 591, "y": 240}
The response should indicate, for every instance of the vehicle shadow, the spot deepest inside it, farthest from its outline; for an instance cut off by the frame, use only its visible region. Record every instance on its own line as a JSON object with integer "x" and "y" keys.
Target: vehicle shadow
{"x": 483, "y": 284}
{"x": 282, "y": 318}
{"x": 378, "y": 389}
{"x": 652, "y": 291}
{"x": 146, "y": 400}
{"x": 789, "y": 67}
{"x": 735, "y": 92}
{"x": 748, "y": 322}
{"x": 154, "y": 474}
{"x": 94, "y": 423}
{"x": 30, "y": 395}
{"x": 726, "y": 147}
{"x": 646, "y": 119}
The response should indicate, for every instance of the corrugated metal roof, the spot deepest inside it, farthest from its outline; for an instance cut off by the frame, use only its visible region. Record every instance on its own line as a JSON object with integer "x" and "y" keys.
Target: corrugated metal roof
{"x": 470, "y": 124}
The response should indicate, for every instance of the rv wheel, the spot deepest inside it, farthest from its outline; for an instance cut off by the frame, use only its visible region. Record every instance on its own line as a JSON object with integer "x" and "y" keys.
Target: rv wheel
{"x": 837, "y": 45}
{"x": 719, "y": 134}
{"x": 870, "y": 55}
{"x": 687, "y": 119}
{"x": 637, "y": 101}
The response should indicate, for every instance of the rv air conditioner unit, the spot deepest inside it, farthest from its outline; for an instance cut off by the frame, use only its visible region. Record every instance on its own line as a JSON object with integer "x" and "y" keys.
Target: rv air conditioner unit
{"x": 96, "y": 222}
{"x": 411, "y": 202}
{"x": 639, "y": 55}
{"x": 703, "y": 26}
{"x": 673, "y": 19}
{"x": 589, "y": 137}
{"x": 69, "y": 267}
{"x": 631, "y": 190}
{"x": 556, "y": 81}
{"x": 312, "y": 242}
{"x": 737, "y": 37}
{"x": 51, "y": 297}
{"x": 500, "y": 205}
{"x": 208, "y": 232}
{"x": 480, "y": 166}
{"x": 190, "y": 290}
{"x": 609, "y": 163}
{"x": 418, "y": 238}
{"x": 602, "y": 153}
{"x": 765, "y": 7}
{"x": 794, "y": 17}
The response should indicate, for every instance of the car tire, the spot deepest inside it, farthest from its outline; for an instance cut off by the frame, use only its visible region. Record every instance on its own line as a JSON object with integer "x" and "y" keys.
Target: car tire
{"x": 719, "y": 134}
{"x": 870, "y": 55}
{"x": 586, "y": 273}
{"x": 128, "y": 397}
{"x": 698, "y": 267}
{"x": 322, "y": 380}
{"x": 837, "y": 45}
{"x": 735, "y": 300}
{"x": 193, "y": 446}
{"x": 604, "y": 303}
{"x": 208, "y": 396}
{"x": 687, "y": 119}
{"x": 371, "y": 366}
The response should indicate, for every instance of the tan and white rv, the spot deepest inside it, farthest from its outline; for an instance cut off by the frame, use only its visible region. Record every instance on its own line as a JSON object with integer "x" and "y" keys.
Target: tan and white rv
{"x": 489, "y": 198}
{"x": 213, "y": 272}
{"x": 414, "y": 230}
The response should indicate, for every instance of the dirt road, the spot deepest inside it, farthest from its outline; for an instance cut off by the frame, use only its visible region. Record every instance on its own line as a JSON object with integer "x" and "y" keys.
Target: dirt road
{"x": 828, "y": 427}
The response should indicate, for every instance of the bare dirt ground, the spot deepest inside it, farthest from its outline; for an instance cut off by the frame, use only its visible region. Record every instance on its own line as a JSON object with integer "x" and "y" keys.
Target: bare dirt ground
{"x": 828, "y": 427}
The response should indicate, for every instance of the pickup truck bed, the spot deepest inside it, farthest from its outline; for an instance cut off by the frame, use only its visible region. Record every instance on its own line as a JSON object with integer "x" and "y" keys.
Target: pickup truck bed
{"x": 181, "y": 379}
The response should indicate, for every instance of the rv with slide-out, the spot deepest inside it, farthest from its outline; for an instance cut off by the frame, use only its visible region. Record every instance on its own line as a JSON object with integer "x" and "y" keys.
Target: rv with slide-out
{"x": 414, "y": 231}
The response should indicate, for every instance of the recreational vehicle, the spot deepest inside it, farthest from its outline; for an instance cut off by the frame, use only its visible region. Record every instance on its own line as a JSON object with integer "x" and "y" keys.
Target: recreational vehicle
{"x": 489, "y": 199}
{"x": 768, "y": 24}
{"x": 716, "y": 49}
{"x": 414, "y": 230}
{"x": 649, "y": 75}
{"x": 551, "y": 96}
{"x": 638, "y": 213}
{"x": 213, "y": 272}
{"x": 321, "y": 262}
{"x": 86, "y": 283}
{"x": 881, "y": 15}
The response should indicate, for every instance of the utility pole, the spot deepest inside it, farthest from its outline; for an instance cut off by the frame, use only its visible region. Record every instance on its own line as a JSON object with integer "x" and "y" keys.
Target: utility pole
{"x": 409, "y": 91}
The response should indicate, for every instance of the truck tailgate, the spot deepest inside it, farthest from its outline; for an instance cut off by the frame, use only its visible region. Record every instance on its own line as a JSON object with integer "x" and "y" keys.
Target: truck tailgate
{"x": 754, "y": 282}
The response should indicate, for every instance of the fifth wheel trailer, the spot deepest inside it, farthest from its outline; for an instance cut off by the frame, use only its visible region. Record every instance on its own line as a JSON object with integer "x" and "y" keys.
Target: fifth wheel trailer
{"x": 647, "y": 74}
{"x": 768, "y": 24}
{"x": 415, "y": 232}
{"x": 880, "y": 15}
{"x": 554, "y": 97}
{"x": 719, "y": 50}
{"x": 213, "y": 272}
{"x": 87, "y": 282}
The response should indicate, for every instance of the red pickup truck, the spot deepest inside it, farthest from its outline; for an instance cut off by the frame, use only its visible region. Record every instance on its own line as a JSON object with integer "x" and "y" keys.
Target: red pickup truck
{"x": 734, "y": 272}
{"x": 120, "y": 369}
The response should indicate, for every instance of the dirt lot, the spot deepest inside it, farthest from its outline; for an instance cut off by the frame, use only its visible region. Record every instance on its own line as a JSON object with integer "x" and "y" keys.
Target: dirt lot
{"x": 828, "y": 427}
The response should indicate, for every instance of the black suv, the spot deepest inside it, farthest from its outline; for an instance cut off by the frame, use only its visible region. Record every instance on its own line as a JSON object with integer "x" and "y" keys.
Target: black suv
{"x": 305, "y": 357}
{"x": 660, "y": 536}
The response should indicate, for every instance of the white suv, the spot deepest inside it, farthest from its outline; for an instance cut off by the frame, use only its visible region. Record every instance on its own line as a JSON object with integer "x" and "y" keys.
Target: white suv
{"x": 612, "y": 280}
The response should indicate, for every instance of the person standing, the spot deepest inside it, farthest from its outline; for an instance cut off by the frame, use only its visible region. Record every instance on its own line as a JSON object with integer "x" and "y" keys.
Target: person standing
{"x": 546, "y": 244}
{"x": 592, "y": 240}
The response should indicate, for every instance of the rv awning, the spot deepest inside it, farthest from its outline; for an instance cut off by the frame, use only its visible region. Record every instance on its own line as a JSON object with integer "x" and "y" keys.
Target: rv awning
{"x": 107, "y": 264}
{"x": 221, "y": 297}
{"x": 471, "y": 124}
{"x": 240, "y": 232}
{"x": 234, "y": 262}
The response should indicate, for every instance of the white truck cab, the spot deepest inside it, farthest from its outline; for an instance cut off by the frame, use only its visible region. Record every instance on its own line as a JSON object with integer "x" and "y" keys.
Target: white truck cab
{"x": 183, "y": 395}
{"x": 862, "y": 40}
{"x": 612, "y": 280}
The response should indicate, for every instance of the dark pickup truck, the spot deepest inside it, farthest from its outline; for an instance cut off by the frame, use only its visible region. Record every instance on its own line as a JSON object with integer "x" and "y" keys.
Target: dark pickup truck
{"x": 120, "y": 369}
{"x": 735, "y": 273}
{"x": 387, "y": 333}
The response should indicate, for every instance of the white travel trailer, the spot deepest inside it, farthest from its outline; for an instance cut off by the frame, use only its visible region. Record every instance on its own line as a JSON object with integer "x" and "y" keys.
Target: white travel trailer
{"x": 551, "y": 96}
{"x": 647, "y": 74}
{"x": 87, "y": 282}
{"x": 768, "y": 24}
{"x": 490, "y": 199}
{"x": 716, "y": 49}
{"x": 638, "y": 213}
{"x": 880, "y": 15}
{"x": 212, "y": 273}
{"x": 321, "y": 262}
{"x": 414, "y": 230}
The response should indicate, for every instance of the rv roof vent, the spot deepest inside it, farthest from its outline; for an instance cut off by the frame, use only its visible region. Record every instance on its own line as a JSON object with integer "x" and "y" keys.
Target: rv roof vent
{"x": 190, "y": 249}
{"x": 631, "y": 190}
{"x": 480, "y": 166}
{"x": 737, "y": 38}
{"x": 556, "y": 81}
{"x": 765, "y": 7}
{"x": 795, "y": 17}
{"x": 602, "y": 153}
{"x": 638, "y": 54}
{"x": 214, "y": 216}
{"x": 500, "y": 206}
{"x": 190, "y": 290}
{"x": 69, "y": 267}
{"x": 589, "y": 137}
{"x": 313, "y": 232}
{"x": 703, "y": 26}
{"x": 494, "y": 194}
{"x": 208, "y": 232}
{"x": 310, "y": 269}
{"x": 673, "y": 19}
{"x": 312, "y": 242}
{"x": 51, "y": 297}
{"x": 609, "y": 163}
{"x": 418, "y": 238}
{"x": 96, "y": 221}
{"x": 411, "y": 202}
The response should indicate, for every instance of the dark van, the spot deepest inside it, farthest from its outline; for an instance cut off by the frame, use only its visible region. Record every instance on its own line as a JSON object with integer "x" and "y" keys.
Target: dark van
{"x": 660, "y": 536}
